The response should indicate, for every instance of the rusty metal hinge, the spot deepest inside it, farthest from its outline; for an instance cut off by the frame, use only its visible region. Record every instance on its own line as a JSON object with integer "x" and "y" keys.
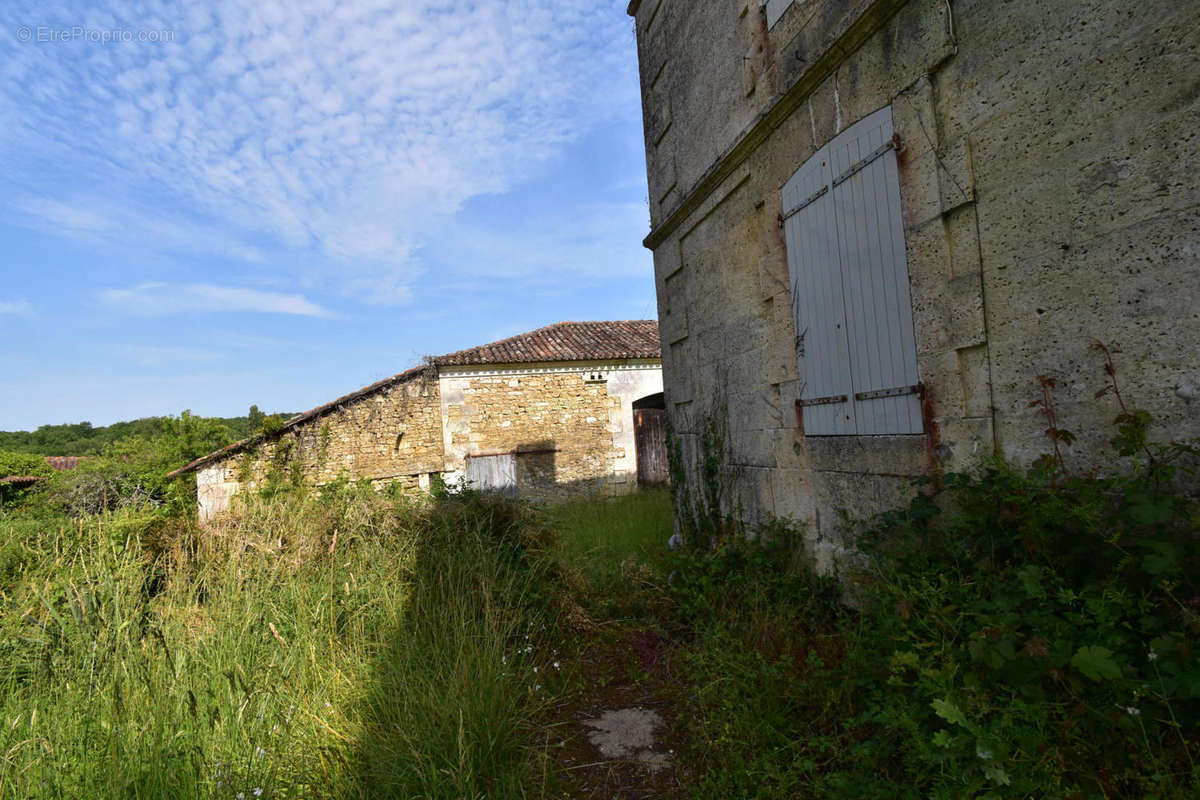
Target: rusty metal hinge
{"x": 896, "y": 392}
{"x": 803, "y": 204}
{"x": 823, "y": 401}
{"x": 859, "y": 166}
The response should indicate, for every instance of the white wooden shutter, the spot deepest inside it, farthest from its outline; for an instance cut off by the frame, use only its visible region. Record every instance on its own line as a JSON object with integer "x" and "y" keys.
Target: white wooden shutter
{"x": 817, "y": 304}
{"x": 775, "y": 9}
{"x": 849, "y": 272}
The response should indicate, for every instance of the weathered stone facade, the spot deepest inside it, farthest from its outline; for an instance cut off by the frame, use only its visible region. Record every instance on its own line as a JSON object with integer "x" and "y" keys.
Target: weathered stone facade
{"x": 566, "y": 426}
{"x": 1045, "y": 155}
{"x": 394, "y": 434}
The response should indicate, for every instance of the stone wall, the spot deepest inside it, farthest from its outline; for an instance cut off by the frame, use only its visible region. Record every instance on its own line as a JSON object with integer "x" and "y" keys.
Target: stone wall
{"x": 570, "y": 425}
{"x": 393, "y": 435}
{"x": 1049, "y": 199}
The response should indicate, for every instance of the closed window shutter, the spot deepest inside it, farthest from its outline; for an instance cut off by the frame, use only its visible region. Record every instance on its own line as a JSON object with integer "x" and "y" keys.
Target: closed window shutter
{"x": 822, "y": 349}
{"x": 849, "y": 272}
{"x": 775, "y": 9}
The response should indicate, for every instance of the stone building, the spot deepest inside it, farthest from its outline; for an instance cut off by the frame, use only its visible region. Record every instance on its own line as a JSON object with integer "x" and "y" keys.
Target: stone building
{"x": 875, "y": 223}
{"x": 572, "y": 407}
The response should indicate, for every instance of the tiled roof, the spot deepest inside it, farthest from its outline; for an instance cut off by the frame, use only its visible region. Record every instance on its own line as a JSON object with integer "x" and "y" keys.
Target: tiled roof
{"x": 566, "y": 341}
{"x": 21, "y": 480}
{"x": 562, "y": 341}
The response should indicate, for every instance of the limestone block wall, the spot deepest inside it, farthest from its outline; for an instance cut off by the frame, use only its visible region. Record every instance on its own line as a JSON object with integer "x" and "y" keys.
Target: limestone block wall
{"x": 570, "y": 425}
{"x": 1049, "y": 199}
{"x": 394, "y": 434}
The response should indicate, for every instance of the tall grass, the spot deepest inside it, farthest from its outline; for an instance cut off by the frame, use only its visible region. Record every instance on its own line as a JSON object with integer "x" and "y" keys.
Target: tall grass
{"x": 607, "y": 537}
{"x": 305, "y": 647}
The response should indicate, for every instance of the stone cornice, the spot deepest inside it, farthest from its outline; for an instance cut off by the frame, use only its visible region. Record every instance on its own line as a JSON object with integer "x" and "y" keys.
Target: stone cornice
{"x": 857, "y": 32}
{"x": 516, "y": 370}
{"x": 633, "y": 7}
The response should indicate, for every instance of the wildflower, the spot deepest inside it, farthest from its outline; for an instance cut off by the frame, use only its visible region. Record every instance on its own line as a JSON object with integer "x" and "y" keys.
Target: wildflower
{"x": 535, "y": 670}
{"x": 1152, "y": 656}
{"x": 1133, "y": 711}
{"x": 241, "y": 796}
{"x": 260, "y": 752}
{"x": 258, "y": 791}
{"x": 556, "y": 665}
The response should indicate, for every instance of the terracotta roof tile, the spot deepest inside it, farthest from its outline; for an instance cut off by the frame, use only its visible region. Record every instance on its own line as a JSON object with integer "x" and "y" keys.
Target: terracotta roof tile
{"x": 566, "y": 341}
{"x": 21, "y": 480}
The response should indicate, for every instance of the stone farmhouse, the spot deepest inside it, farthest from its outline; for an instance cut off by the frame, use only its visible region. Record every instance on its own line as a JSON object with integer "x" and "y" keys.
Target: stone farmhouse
{"x": 572, "y": 407}
{"x": 875, "y": 223}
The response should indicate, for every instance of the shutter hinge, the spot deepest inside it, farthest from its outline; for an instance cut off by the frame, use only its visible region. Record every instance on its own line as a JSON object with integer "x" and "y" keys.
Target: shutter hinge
{"x": 881, "y": 393}
{"x": 823, "y": 401}
{"x": 859, "y": 166}
{"x": 803, "y": 204}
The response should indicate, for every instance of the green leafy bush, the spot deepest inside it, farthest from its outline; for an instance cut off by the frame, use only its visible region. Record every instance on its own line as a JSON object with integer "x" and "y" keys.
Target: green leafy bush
{"x": 1041, "y": 629}
{"x": 1015, "y": 635}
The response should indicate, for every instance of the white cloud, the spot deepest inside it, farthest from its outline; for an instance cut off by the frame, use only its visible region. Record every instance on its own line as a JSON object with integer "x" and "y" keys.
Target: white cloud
{"x": 349, "y": 129}
{"x": 159, "y": 298}
{"x": 19, "y": 306}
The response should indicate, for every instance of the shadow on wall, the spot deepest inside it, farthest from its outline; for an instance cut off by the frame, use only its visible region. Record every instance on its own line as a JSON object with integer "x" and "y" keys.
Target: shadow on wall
{"x": 529, "y": 469}
{"x": 532, "y": 470}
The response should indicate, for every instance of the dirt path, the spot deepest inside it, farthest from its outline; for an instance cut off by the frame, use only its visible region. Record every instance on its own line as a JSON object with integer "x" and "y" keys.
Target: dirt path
{"x": 618, "y": 735}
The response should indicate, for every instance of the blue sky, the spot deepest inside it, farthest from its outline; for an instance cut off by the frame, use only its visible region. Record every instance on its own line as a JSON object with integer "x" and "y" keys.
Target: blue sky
{"x": 205, "y": 205}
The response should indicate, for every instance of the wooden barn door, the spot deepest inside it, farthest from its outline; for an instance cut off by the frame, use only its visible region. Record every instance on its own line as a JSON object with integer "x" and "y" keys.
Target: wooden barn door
{"x": 650, "y": 431}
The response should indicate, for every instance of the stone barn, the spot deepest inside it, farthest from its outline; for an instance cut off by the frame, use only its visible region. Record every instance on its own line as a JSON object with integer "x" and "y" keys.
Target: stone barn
{"x": 575, "y": 407}
{"x": 876, "y": 223}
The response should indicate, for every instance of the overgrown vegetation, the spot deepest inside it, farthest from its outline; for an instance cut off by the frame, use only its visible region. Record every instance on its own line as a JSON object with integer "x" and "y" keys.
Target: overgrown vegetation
{"x": 1017, "y": 635}
{"x": 336, "y": 645}
{"x": 84, "y": 439}
{"x": 129, "y": 471}
{"x": 1011, "y": 633}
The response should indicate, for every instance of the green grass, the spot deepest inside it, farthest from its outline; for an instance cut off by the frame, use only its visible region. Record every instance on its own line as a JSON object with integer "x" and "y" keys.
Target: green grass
{"x": 608, "y": 538}
{"x": 351, "y": 645}
{"x": 309, "y": 647}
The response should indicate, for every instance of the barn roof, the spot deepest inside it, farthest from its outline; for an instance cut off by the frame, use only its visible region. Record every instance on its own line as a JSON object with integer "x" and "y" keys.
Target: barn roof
{"x": 21, "y": 480}
{"x": 566, "y": 341}
{"x": 562, "y": 341}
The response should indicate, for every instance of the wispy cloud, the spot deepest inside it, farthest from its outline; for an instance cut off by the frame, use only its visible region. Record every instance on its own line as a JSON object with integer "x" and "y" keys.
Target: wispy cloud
{"x": 347, "y": 129}
{"x": 160, "y": 298}
{"x": 19, "y": 306}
